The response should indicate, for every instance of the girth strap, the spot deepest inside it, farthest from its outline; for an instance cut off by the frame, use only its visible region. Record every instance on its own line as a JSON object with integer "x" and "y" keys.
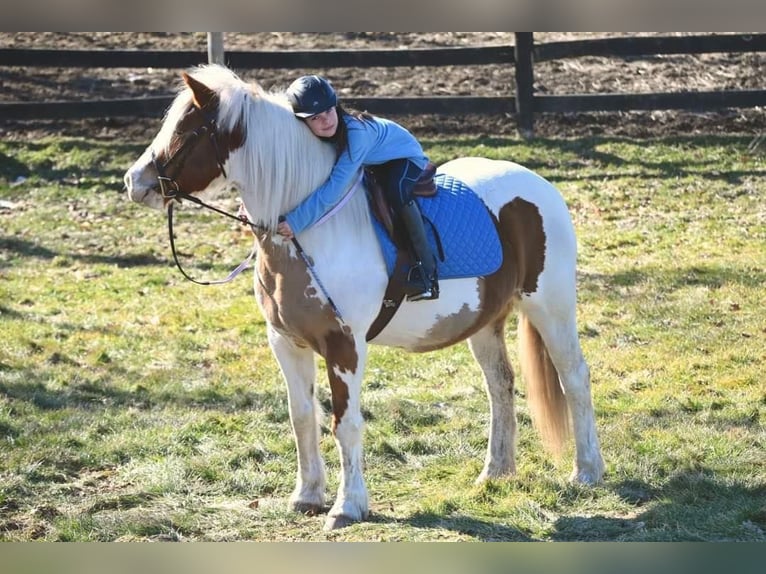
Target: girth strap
{"x": 393, "y": 297}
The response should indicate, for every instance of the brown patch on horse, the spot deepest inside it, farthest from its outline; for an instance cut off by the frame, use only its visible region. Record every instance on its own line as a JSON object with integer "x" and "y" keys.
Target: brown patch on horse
{"x": 452, "y": 329}
{"x": 340, "y": 356}
{"x": 292, "y": 305}
{"x": 200, "y": 165}
{"x": 522, "y": 239}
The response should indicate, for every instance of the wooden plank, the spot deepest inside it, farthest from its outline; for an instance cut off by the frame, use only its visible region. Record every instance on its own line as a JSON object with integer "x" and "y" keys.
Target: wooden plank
{"x": 100, "y": 58}
{"x": 471, "y": 56}
{"x": 651, "y": 45}
{"x": 135, "y": 107}
{"x": 616, "y": 47}
{"x": 693, "y": 101}
{"x": 439, "y": 105}
{"x": 524, "y": 84}
{"x": 253, "y": 60}
{"x": 156, "y": 106}
{"x": 443, "y": 105}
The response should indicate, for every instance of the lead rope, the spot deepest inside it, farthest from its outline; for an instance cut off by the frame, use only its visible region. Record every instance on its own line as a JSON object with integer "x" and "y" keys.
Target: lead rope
{"x": 174, "y": 194}
{"x": 239, "y": 269}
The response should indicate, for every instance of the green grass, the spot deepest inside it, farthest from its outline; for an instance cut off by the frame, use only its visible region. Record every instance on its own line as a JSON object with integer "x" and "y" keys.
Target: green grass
{"x": 137, "y": 406}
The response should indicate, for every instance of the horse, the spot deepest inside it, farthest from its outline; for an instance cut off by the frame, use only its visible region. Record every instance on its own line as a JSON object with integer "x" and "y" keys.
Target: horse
{"x": 222, "y": 133}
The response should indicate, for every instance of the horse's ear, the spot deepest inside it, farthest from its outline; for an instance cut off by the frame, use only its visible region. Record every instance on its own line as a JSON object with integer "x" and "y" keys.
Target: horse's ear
{"x": 202, "y": 95}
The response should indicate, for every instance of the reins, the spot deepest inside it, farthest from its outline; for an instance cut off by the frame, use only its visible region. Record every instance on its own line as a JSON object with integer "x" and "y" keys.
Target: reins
{"x": 177, "y": 195}
{"x": 171, "y": 192}
{"x": 236, "y": 271}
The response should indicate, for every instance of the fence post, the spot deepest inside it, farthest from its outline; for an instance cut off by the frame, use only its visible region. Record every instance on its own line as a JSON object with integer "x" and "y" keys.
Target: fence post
{"x": 524, "y": 82}
{"x": 215, "y": 48}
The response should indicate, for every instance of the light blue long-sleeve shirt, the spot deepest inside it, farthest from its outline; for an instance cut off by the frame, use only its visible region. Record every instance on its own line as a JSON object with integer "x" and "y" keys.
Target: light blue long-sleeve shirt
{"x": 370, "y": 142}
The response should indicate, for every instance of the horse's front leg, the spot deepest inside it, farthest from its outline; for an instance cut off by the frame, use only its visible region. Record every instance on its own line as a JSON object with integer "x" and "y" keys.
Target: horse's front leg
{"x": 346, "y": 356}
{"x": 299, "y": 370}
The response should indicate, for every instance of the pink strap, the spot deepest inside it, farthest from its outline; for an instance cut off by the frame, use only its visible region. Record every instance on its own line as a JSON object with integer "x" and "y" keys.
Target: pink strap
{"x": 343, "y": 201}
{"x": 239, "y": 269}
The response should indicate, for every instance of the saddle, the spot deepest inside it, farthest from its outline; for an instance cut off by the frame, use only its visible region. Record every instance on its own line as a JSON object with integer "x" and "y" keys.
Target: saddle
{"x": 460, "y": 228}
{"x": 396, "y": 290}
{"x": 381, "y": 209}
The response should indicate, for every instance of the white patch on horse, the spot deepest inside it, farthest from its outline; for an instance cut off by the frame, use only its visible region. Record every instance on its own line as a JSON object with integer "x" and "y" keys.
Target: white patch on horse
{"x": 412, "y": 328}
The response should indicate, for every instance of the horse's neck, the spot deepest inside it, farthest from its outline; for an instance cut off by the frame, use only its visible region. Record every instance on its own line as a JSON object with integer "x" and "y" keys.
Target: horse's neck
{"x": 281, "y": 163}
{"x": 343, "y": 232}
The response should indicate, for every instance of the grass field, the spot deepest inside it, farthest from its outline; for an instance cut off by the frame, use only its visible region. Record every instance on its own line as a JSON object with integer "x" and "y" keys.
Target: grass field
{"x": 137, "y": 406}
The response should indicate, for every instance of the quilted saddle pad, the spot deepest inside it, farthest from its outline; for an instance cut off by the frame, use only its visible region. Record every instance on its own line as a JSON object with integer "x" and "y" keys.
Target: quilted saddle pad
{"x": 468, "y": 236}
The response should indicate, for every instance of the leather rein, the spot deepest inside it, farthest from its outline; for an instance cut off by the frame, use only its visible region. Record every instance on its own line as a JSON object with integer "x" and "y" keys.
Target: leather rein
{"x": 172, "y": 193}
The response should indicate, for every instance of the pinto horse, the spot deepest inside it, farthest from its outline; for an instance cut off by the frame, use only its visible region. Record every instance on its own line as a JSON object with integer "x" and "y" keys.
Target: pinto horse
{"x": 222, "y": 132}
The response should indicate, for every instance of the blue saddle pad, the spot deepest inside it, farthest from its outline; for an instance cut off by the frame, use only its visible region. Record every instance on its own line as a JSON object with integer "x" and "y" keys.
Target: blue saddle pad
{"x": 468, "y": 236}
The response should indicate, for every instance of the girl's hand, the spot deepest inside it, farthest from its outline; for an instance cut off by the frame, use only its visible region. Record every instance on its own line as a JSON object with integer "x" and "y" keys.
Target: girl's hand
{"x": 283, "y": 228}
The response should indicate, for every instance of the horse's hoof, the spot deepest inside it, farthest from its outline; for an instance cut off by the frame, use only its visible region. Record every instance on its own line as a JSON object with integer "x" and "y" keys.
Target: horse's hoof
{"x": 307, "y": 508}
{"x": 586, "y": 478}
{"x": 336, "y": 522}
{"x": 495, "y": 474}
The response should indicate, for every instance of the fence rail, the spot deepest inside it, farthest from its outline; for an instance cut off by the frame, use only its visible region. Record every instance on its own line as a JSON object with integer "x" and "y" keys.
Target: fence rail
{"x": 524, "y": 103}
{"x": 265, "y": 60}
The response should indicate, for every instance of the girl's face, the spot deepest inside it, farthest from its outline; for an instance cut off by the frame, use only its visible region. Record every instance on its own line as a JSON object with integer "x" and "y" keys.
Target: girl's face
{"x": 324, "y": 125}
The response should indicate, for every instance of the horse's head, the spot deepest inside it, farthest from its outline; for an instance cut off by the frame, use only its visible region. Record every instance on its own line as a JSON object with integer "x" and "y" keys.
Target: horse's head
{"x": 220, "y": 130}
{"x": 190, "y": 151}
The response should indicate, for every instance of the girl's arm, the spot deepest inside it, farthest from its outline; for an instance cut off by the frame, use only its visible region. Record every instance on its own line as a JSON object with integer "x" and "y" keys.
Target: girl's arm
{"x": 327, "y": 195}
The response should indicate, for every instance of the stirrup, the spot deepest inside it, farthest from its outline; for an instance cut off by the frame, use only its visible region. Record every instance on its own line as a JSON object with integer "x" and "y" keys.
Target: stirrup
{"x": 427, "y": 287}
{"x": 428, "y": 295}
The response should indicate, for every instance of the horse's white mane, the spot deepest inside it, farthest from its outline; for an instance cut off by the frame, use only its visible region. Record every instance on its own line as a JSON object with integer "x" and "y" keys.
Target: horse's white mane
{"x": 281, "y": 161}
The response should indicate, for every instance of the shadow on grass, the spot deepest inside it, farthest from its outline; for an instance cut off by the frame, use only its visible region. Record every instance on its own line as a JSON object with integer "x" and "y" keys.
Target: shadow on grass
{"x": 692, "y": 505}
{"x": 480, "y": 529}
{"x": 712, "y": 276}
{"x": 57, "y": 379}
{"x": 96, "y": 393}
{"x": 31, "y": 249}
{"x": 585, "y": 150}
{"x": 12, "y": 168}
{"x": 93, "y": 156}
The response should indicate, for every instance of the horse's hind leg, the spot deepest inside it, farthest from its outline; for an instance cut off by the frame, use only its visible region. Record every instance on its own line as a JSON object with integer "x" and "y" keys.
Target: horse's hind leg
{"x": 554, "y": 325}
{"x": 299, "y": 370}
{"x": 489, "y": 350}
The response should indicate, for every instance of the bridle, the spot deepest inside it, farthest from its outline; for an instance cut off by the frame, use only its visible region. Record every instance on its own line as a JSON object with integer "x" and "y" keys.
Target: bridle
{"x": 172, "y": 192}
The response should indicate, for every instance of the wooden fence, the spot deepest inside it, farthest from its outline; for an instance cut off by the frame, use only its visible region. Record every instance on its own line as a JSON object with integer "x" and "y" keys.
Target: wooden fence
{"x": 523, "y": 104}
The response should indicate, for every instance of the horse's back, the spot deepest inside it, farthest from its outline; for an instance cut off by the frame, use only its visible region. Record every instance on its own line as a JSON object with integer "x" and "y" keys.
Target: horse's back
{"x": 498, "y": 182}
{"x": 505, "y": 185}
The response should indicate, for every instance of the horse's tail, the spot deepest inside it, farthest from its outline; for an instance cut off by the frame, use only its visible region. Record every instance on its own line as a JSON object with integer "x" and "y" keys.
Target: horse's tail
{"x": 545, "y": 397}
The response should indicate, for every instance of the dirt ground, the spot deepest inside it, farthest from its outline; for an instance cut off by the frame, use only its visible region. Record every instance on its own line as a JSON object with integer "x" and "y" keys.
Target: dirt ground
{"x": 579, "y": 75}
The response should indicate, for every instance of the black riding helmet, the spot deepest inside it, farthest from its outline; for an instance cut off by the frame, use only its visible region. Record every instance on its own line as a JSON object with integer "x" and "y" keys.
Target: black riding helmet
{"x": 311, "y": 95}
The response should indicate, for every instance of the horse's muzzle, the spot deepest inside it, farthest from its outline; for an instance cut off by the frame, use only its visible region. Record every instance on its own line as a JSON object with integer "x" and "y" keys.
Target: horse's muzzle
{"x": 142, "y": 187}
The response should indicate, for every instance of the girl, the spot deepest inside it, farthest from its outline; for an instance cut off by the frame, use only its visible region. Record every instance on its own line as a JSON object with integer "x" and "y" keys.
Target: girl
{"x": 361, "y": 139}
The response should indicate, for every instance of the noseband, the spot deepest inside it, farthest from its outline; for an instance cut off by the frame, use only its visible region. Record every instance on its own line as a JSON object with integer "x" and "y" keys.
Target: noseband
{"x": 172, "y": 192}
